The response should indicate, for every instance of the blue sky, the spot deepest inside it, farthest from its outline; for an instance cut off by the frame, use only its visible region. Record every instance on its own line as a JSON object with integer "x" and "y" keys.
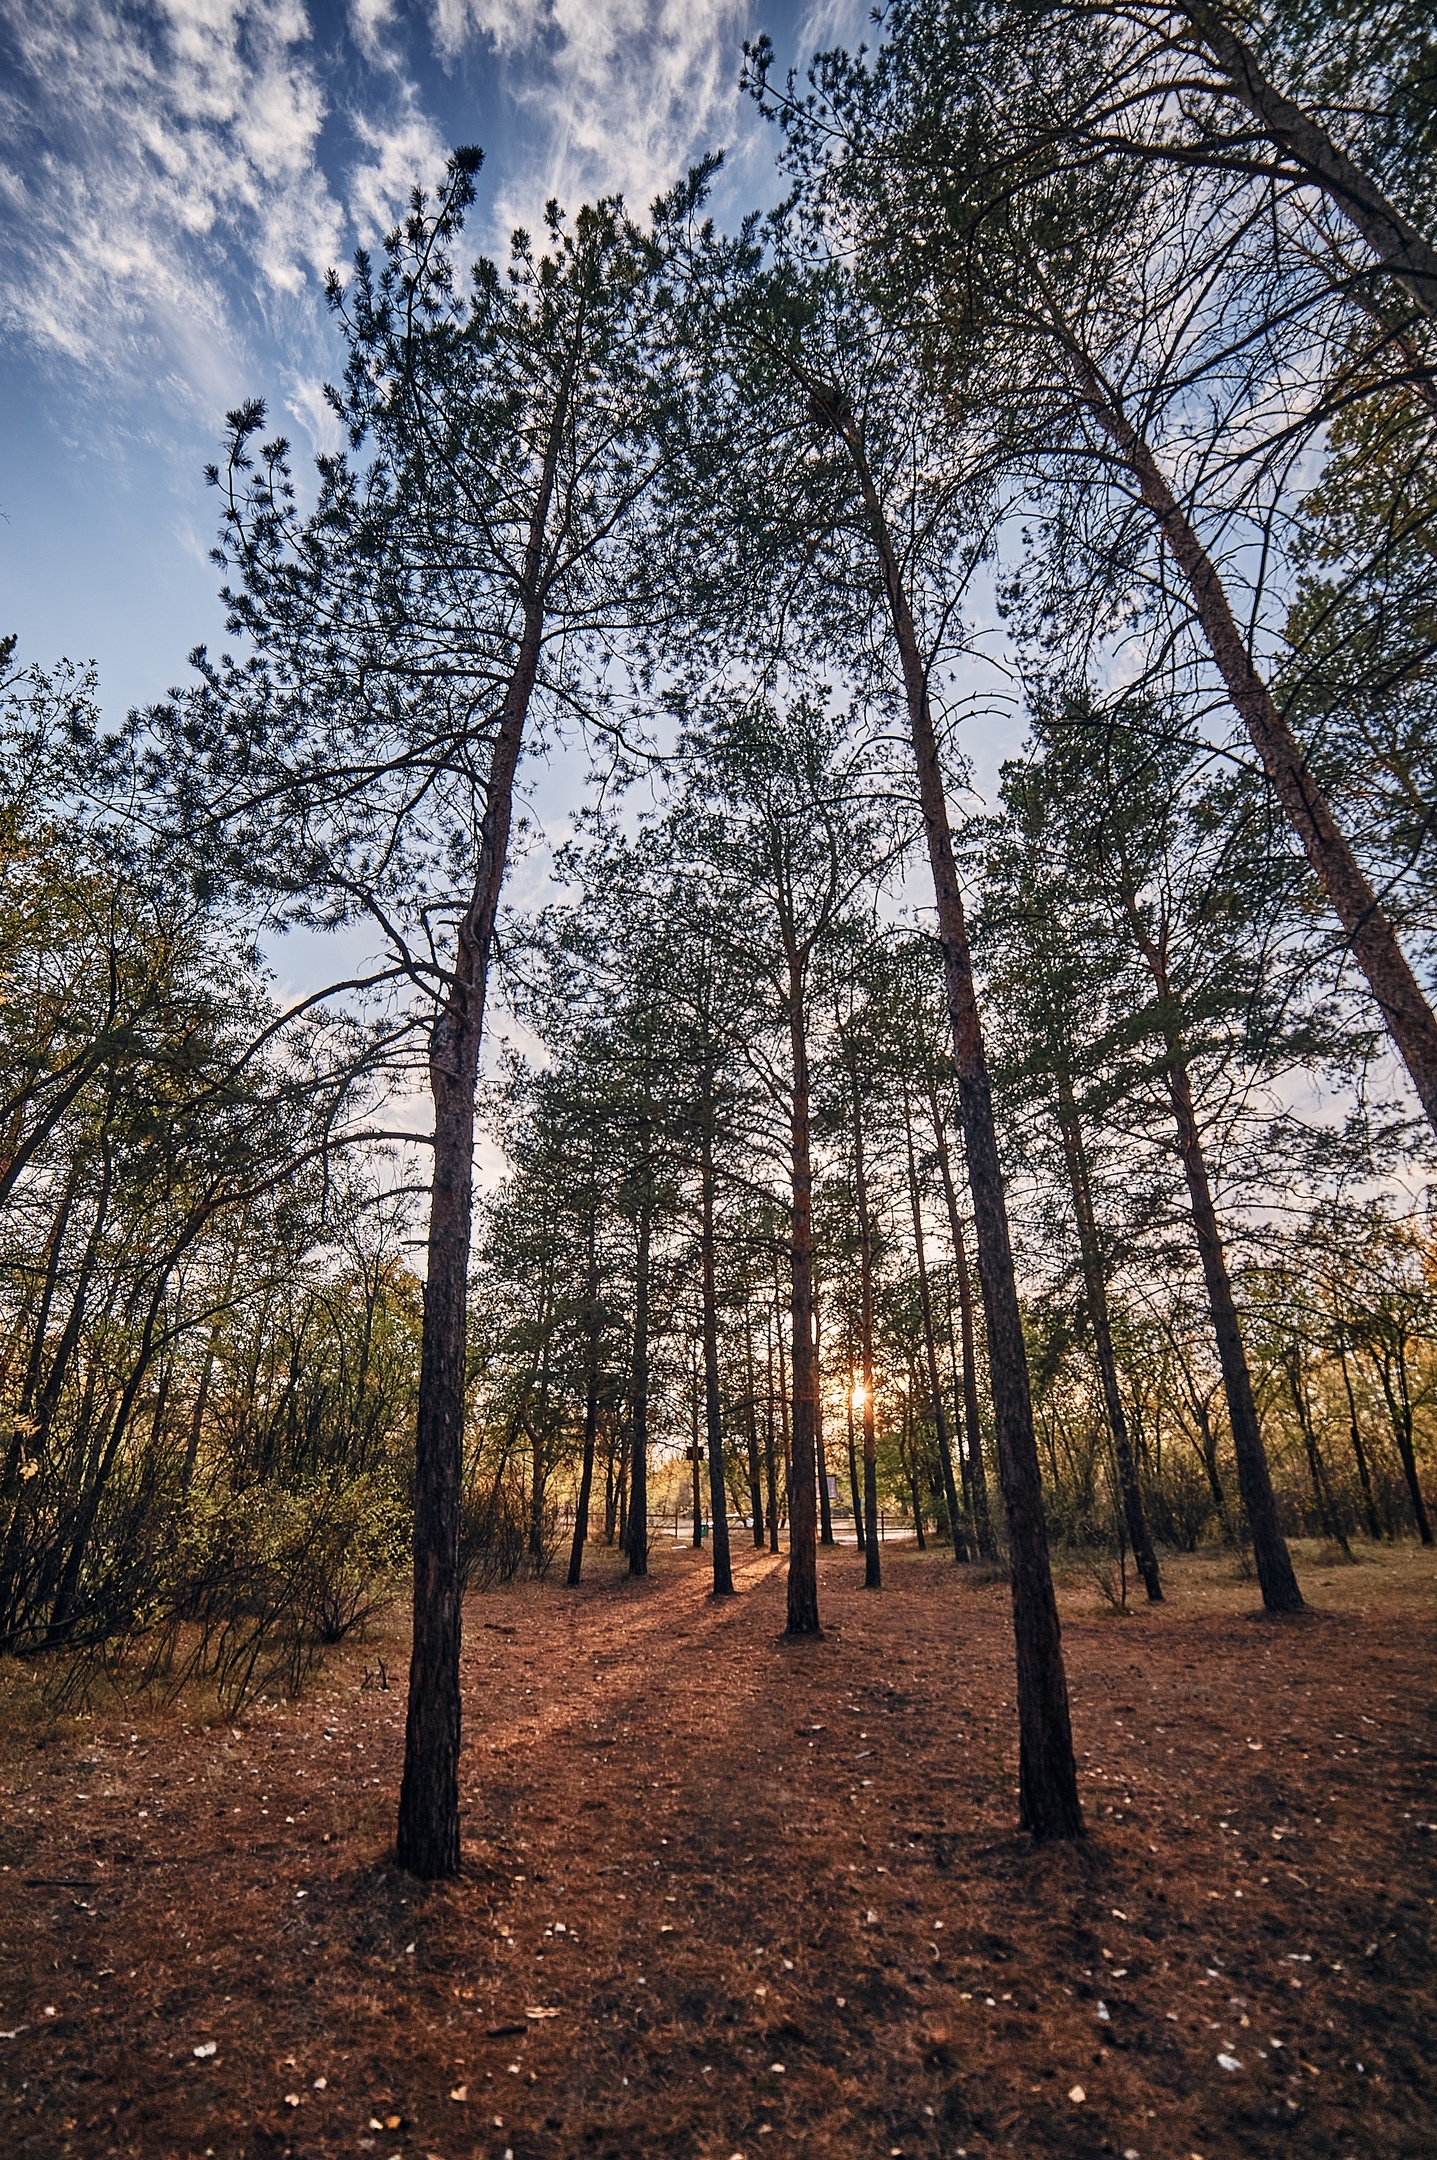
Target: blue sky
{"x": 175, "y": 179}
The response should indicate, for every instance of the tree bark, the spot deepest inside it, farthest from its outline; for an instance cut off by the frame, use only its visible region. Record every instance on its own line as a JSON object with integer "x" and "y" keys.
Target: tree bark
{"x": 771, "y": 1445}
{"x": 1373, "y": 941}
{"x": 872, "y": 1558}
{"x": 10, "y": 1477}
{"x": 820, "y": 1447}
{"x": 1275, "y": 1577}
{"x": 930, "y": 1344}
{"x": 539, "y": 1426}
{"x": 1049, "y": 1805}
{"x": 1399, "y": 246}
{"x": 623, "y": 1500}
{"x": 909, "y": 1456}
{"x": 591, "y": 1405}
{"x": 1364, "y": 1477}
{"x": 854, "y": 1494}
{"x": 982, "y": 1519}
{"x": 713, "y": 1404}
{"x": 636, "y": 1543}
{"x": 1095, "y": 1291}
{"x": 428, "y": 1836}
{"x": 755, "y": 1473}
{"x": 802, "y": 1513}
{"x": 1399, "y": 1410}
{"x": 1327, "y": 1514}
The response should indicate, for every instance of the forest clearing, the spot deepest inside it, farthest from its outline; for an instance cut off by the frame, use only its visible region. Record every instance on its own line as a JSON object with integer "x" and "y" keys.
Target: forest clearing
{"x": 703, "y": 1852}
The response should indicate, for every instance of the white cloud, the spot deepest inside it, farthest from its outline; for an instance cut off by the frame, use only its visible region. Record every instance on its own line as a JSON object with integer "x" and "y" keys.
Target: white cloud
{"x": 368, "y": 20}
{"x": 511, "y": 26}
{"x": 146, "y": 152}
{"x": 400, "y": 150}
{"x": 306, "y": 403}
{"x": 618, "y": 96}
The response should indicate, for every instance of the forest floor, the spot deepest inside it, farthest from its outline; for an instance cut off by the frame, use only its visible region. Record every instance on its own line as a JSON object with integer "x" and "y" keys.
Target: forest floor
{"x": 725, "y": 1895}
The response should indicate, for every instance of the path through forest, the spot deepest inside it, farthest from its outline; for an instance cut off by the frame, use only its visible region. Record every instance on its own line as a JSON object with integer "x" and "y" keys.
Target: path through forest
{"x": 727, "y": 1895}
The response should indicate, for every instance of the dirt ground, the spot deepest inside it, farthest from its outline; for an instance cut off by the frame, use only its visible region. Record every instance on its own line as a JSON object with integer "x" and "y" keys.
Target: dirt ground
{"x": 729, "y": 1896}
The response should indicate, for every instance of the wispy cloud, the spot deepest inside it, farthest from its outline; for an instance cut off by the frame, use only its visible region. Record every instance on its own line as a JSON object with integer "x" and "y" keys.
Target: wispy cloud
{"x": 401, "y": 148}
{"x": 176, "y": 175}
{"x": 167, "y": 218}
{"x": 617, "y": 95}
{"x": 142, "y": 153}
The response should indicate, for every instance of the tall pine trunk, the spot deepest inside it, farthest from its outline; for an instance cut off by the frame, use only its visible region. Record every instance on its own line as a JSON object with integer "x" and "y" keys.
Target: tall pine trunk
{"x": 636, "y": 1542}
{"x": 1275, "y": 1576}
{"x": 977, "y": 1471}
{"x": 755, "y": 1472}
{"x": 713, "y": 1405}
{"x": 591, "y": 1404}
{"x": 930, "y": 1342}
{"x": 1354, "y": 1432}
{"x": 1373, "y": 941}
{"x": 802, "y": 1512}
{"x": 428, "y": 1839}
{"x": 771, "y": 1443}
{"x": 1095, "y": 1296}
{"x": 854, "y": 1494}
{"x": 872, "y": 1558}
{"x": 820, "y": 1448}
{"x": 1403, "y": 250}
{"x": 1049, "y": 1805}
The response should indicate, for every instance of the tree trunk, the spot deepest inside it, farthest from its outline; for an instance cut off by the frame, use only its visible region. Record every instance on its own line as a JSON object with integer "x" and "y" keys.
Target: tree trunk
{"x": 982, "y": 1519}
{"x": 624, "y": 1500}
{"x": 802, "y": 1514}
{"x": 872, "y": 1558}
{"x": 1095, "y": 1290}
{"x": 611, "y": 1490}
{"x": 1399, "y": 246}
{"x": 1399, "y": 1410}
{"x": 1327, "y": 1514}
{"x": 755, "y": 1474}
{"x": 428, "y": 1836}
{"x": 908, "y": 1455}
{"x": 539, "y": 1426}
{"x": 1364, "y": 1479}
{"x": 713, "y": 1405}
{"x": 956, "y": 1386}
{"x": 771, "y": 1445}
{"x": 854, "y": 1494}
{"x": 105, "y": 1453}
{"x": 1274, "y": 1563}
{"x": 930, "y": 1343}
{"x": 1370, "y": 936}
{"x": 591, "y": 1408}
{"x": 202, "y": 1392}
{"x": 1049, "y": 1805}
{"x": 12, "y": 1480}
{"x": 637, "y": 1540}
{"x": 825, "y": 1507}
